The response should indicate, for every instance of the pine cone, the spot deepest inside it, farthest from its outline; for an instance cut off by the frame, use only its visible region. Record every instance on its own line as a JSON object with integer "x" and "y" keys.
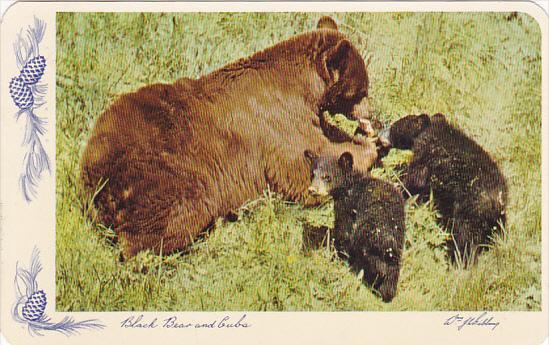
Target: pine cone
{"x": 35, "y": 306}
{"x": 33, "y": 70}
{"x": 21, "y": 93}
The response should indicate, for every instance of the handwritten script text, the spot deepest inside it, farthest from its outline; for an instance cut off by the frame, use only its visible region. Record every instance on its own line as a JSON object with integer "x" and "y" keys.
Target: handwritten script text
{"x": 173, "y": 322}
{"x": 461, "y": 321}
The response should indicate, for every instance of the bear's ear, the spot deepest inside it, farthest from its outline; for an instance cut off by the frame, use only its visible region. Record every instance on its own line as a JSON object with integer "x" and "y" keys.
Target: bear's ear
{"x": 332, "y": 62}
{"x": 310, "y": 156}
{"x": 326, "y": 23}
{"x": 439, "y": 117}
{"x": 425, "y": 121}
{"x": 345, "y": 161}
{"x": 338, "y": 54}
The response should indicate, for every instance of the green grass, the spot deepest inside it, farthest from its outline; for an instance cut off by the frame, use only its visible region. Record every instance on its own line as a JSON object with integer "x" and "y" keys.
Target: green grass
{"x": 482, "y": 70}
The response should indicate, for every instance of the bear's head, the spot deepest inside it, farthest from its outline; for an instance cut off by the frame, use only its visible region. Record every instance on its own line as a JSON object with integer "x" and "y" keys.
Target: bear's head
{"x": 381, "y": 271}
{"x": 328, "y": 171}
{"x": 377, "y": 255}
{"x": 402, "y": 133}
{"x": 345, "y": 74}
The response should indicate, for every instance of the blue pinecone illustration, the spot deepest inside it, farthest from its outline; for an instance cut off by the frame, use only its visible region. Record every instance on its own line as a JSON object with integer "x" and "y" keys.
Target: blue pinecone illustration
{"x": 35, "y": 306}
{"x": 33, "y": 70}
{"x": 21, "y": 93}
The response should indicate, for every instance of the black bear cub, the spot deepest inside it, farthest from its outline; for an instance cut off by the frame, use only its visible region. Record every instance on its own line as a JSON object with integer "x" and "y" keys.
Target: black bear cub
{"x": 369, "y": 219}
{"x": 468, "y": 188}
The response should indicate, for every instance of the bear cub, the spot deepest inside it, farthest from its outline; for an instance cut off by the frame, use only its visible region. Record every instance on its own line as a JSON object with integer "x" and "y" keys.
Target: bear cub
{"x": 469, "y": 189}
{"x": 369, "y": 219}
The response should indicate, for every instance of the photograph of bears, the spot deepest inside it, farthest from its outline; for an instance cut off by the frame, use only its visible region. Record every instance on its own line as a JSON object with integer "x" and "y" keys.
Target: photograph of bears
{"x": 298, "y": 161}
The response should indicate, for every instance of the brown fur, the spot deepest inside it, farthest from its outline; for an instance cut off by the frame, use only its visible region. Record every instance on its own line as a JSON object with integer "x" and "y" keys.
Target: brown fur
{"x": 326, "y": 23}
{"x": 177, "y": 156}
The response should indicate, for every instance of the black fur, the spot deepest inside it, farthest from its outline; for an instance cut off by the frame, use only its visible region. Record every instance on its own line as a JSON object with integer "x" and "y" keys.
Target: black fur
{"x": 369, "y": 221}
{"x": 468, "y": 187}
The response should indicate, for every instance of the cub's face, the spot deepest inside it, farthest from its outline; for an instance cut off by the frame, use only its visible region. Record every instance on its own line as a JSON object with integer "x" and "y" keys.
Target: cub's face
{"x": 402, "y": 133}
{"x": 328, "y": 171}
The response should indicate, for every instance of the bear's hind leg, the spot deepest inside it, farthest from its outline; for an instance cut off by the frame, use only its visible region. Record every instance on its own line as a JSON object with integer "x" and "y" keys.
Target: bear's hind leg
{"x": 466, "y": 242}
{"x": 180, "y": 228}
{"x": 416, "y": 181}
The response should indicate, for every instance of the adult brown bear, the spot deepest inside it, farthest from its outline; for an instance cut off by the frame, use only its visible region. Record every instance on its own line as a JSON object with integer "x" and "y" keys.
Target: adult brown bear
{"x": 177, "y": 156}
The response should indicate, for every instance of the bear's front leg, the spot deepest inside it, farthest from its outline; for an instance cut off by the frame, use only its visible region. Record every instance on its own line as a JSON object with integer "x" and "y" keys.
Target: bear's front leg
{"x": 416, "y": 179}
{"x": 364, "y": 134}
{"x": 331, "y": 131}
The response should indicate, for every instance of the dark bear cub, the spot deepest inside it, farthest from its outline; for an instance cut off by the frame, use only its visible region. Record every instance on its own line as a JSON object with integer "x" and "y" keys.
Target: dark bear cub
{"x": 369, "y": 219}
{"x": 468, "y": 188}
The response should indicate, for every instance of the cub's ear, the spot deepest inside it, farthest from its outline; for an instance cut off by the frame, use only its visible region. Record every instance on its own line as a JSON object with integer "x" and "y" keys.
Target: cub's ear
{"x": 439, "y": 117}
{"x": 310, "y": 156}
{"x": 425, "y": 121}
{"x": 345, "y": 161}
{"x": 326, "y": 23}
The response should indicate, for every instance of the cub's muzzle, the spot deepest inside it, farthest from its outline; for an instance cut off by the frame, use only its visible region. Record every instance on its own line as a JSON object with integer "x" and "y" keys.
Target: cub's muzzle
{"x": 316, "y": 191}
{"x": 384, "y": 137}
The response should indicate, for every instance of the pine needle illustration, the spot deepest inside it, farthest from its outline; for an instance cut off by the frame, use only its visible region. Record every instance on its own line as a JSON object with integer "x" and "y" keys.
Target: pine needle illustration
{"x": 28, "y": 95}
{"x": 30, "y": 304}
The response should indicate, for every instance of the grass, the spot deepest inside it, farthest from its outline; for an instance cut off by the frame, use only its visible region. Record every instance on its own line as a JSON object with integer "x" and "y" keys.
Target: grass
{"x": 482, "y": 70}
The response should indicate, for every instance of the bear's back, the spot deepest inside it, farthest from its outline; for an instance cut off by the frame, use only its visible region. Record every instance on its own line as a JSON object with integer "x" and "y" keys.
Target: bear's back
{"x": 457, "y": 161}
{"x": 462, "y": 173}
{"x": 370, "y": 228}
{"x": 378, "y": 219}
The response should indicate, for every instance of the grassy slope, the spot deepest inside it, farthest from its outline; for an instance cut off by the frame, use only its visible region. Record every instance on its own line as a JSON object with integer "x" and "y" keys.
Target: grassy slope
{"x": 482, "y": 70}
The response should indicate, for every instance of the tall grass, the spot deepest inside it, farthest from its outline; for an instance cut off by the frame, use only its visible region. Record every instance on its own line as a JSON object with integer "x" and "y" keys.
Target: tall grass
{"x": 482, "y": 70}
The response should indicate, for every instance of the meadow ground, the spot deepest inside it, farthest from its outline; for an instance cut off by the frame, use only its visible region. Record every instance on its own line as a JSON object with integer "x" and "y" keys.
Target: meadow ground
{"x": 482, "y": 70}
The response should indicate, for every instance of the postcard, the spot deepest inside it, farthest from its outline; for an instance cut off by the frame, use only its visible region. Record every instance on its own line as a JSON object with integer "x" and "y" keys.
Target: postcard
{"x": 265, "y": 173}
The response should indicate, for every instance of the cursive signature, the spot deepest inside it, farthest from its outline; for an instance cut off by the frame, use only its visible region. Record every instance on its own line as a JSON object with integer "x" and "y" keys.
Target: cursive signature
{"x": 172, "y": 322}
{"x": 480, "y": 320}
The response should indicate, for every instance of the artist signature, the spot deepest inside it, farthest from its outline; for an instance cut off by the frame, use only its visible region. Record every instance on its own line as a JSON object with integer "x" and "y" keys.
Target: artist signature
{"x": 460, "y": 321}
